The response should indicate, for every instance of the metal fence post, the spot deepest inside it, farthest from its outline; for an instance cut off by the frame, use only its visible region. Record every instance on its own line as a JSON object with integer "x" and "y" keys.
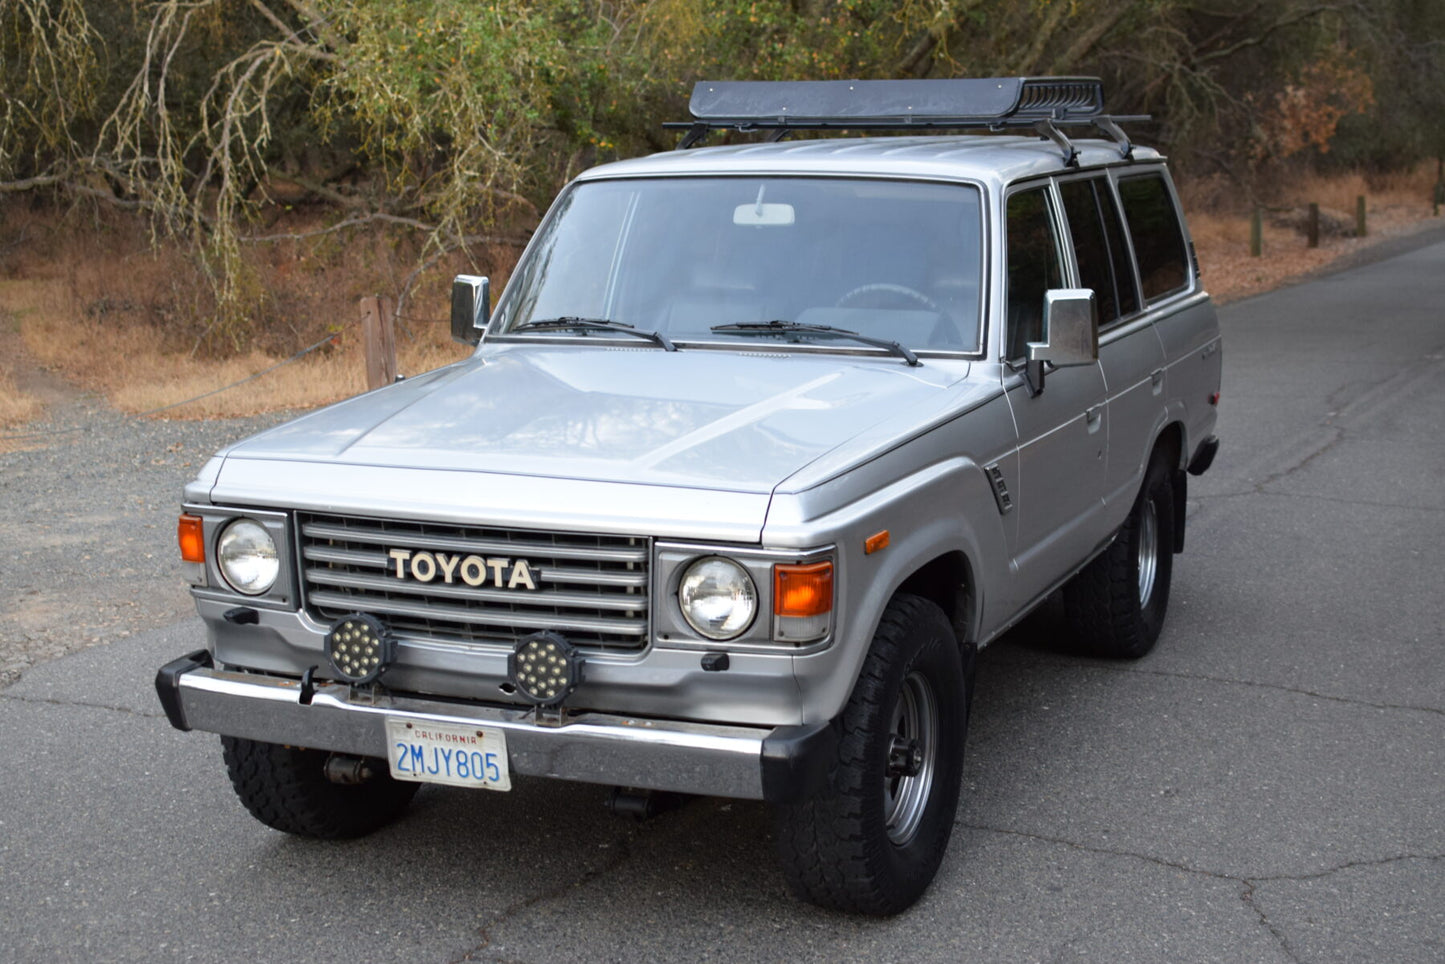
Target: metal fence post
{"x": 378, "y": 333}
{"x": 1256, "y": 233}
{"x": 1313, "y": 227}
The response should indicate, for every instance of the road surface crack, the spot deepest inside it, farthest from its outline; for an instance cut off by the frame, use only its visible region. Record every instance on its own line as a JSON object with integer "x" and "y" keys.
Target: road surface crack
{"x": 1103, "y": 851}
{"x": 83, "y": 703}
{"x": 1229, "y": 681}
{"x": 1247, "y": 884}
{"x": 1247, "y": 896}
{"x": 622, "y": 852}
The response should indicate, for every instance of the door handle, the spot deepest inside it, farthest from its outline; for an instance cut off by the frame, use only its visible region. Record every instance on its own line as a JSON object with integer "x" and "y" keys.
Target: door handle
{"x": 1156, "y": 380}
{"x": 1093, "y": 418}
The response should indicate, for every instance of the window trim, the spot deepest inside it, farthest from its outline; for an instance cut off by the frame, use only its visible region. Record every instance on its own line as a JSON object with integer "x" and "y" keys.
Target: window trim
{"x": 1103, "y": 178}
{"x": 1191, "y": 278}
{"x": 1063, "y": 249}
{"x": 494, "y": 336}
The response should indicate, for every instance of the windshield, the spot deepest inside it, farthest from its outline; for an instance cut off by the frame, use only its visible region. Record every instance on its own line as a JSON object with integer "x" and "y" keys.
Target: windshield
{"x": 896, "y": 260}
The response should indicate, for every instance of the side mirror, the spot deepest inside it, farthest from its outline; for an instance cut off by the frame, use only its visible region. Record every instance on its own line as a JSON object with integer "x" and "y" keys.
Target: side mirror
{"x": 471, "y": 307}
{"x": 1071, "y": 333}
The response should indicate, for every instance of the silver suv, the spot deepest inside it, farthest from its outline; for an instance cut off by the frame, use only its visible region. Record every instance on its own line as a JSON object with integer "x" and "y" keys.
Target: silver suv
{"x": 760, "y": 446}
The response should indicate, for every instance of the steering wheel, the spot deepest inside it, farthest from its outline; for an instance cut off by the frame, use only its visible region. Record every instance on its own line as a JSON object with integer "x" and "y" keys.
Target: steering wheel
{"x": 885, "y": 288}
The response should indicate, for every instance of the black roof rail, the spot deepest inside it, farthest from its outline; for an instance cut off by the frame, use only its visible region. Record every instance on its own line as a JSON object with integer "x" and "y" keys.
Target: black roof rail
{"x": 1042, "y": 104}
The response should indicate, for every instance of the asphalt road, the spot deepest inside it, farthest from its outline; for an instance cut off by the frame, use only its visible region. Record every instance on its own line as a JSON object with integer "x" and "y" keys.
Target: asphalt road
{"x": 1268, "y": 785}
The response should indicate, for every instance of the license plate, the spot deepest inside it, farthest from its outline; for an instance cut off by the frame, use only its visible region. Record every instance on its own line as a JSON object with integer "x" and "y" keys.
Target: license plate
{"x": 450, "y": 753}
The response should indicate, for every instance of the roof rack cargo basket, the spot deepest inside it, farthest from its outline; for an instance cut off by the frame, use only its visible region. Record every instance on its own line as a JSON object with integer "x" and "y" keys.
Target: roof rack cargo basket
{"x": 1042, "y": 104}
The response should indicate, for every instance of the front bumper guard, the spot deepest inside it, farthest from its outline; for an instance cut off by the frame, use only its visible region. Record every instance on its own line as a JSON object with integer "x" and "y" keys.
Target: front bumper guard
{"x": 780, "y": 764}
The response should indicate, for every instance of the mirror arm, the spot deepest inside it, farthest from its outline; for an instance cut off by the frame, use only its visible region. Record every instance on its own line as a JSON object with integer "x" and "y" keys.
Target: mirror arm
{"x": 1034, "y": 377}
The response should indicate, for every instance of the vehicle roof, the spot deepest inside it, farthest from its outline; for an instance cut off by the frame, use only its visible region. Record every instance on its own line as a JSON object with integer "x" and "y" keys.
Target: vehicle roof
{"x": 997, "y": 159}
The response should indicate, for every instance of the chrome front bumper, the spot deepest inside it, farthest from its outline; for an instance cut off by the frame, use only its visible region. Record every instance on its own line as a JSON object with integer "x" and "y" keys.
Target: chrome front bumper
{"x": 753, "y": 763}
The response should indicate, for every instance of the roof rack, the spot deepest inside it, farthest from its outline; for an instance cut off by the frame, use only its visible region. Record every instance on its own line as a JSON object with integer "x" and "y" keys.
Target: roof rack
{"x": 1042, "y": 104}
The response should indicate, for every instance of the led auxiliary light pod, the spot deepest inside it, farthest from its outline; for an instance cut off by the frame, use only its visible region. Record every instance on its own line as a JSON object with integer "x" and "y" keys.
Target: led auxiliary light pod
{"x": 545, "y": 668}
{"x": 359, "y": 648}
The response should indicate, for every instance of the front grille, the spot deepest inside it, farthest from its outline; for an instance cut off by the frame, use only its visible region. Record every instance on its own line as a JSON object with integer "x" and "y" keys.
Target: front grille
{"x": 592, "y": 589}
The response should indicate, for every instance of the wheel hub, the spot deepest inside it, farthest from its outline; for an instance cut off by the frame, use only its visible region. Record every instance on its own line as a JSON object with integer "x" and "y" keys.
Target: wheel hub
{"x": 912, "y": 758}
{"x": 905, "y": 757}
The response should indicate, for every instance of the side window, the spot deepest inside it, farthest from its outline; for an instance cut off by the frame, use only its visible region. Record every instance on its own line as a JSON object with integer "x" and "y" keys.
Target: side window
{"x": 1158, "y": 237}
{"x": 1099, "y": 247}
{"x": 1033, "y": 268}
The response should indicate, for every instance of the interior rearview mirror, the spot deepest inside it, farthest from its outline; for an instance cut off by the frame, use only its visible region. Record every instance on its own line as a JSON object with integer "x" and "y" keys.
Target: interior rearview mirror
{"x": 761, "y": 215}
{"x": 1071, "y": 333}
{"x": 471, "y": 307}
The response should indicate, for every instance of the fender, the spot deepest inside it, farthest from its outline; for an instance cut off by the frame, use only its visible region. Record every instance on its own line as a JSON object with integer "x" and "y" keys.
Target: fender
{"x": 909, "y": 509}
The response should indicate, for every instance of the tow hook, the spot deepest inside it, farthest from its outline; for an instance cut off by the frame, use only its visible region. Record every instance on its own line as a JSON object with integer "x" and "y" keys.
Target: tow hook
{"x": 643, "y": 804}
{"x": 350, "y": 771}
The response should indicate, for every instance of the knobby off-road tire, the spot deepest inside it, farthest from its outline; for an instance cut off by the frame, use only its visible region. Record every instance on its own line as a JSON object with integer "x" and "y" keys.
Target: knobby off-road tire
{"x": 870, "y": 839}
{"x": 286, "y": 788}
{"x": 1117, "y": 602}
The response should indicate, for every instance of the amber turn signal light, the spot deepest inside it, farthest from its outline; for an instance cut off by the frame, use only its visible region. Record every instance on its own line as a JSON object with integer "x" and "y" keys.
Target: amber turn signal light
{"x": 803, "y": 590}
{"x": 192, "y": 538}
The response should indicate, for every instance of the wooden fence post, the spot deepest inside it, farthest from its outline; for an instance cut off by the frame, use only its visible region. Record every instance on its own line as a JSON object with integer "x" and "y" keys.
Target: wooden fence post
{"x": 1313, "y": 227}
{"x": 1256, "y": 233}
{"x": 378, "y": 333}
{"x": 1360, "y": 216}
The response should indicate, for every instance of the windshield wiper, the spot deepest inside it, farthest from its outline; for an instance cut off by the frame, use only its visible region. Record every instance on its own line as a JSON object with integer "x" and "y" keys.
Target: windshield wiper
{"x": 790, "y": 327}
{"x": 572, "y": 323}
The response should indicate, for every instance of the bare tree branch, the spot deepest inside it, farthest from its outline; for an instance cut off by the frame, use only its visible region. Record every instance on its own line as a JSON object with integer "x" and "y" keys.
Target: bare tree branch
{"x": 31, "y": 183}
{"x": 1270, "y": 30}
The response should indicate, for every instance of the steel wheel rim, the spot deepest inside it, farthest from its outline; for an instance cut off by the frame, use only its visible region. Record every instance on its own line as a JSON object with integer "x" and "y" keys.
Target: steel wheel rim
{"x": 905, "y": 796}
{"x": 1148, "y": 552}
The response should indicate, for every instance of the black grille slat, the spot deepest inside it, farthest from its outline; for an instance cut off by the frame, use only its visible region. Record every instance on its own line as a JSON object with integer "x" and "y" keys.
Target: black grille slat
{"x": 443, "y": 612}
{"x": 591, "y": 588}
{"x": 399, "y": 538}
{"x": 543, "y": 600}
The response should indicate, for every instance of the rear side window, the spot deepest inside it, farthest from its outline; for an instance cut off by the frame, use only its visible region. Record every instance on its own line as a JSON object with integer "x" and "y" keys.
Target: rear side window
{"x": 1033, "y": 267}
{"x": 1157, "y": 235}
{"x": 1099, "y": 247}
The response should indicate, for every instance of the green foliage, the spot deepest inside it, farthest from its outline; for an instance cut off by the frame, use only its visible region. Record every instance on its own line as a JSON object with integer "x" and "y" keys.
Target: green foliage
{"x": 48, "y": 77}
{"x": 461, "y": 118}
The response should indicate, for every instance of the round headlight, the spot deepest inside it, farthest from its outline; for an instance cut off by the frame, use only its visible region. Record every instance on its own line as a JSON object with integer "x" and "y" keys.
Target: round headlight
{"x": 717, "y": 598}
{"x": 247, "y": 557}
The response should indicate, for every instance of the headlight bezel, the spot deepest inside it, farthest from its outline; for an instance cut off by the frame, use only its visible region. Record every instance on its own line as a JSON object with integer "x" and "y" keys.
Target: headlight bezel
{"x": 207, "y": 579}
{"x": 672, "y": 630}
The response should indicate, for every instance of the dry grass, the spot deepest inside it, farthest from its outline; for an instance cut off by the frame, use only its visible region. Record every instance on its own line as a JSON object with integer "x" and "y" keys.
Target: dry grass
{"x": 1219, "y": 223}
{"x": 138, "y": 371}
{"x": 16, "y": 407}
{"x": 114, "y": 314}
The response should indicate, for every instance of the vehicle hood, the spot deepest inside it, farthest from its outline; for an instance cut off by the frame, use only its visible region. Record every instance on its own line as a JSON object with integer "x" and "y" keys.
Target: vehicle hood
{"x": 736, "y": 421}
{"x": 687, "y": 444}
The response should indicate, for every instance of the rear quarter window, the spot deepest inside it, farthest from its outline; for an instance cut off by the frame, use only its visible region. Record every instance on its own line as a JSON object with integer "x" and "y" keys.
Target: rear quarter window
{"x": 1157, "y": 235}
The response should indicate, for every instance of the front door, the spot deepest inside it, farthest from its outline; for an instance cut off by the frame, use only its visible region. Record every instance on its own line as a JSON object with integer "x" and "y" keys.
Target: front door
{"x": 1063, "y": 431}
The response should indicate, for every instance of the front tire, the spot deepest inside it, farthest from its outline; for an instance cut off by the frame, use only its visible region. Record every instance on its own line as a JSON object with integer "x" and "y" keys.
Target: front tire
{"x": 1117, "y": 602}
{"x": 871, "y": 838}
{"x": 286, "y": 788}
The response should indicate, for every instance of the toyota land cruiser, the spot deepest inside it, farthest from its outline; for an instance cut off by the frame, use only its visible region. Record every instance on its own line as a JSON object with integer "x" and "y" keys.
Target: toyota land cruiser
{"x": 759, "y": 446}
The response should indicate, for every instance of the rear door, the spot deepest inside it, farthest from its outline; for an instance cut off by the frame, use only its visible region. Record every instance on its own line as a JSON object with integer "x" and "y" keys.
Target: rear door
{"x": 1174, "y": 299}
{"x": 1130, "y": 352}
